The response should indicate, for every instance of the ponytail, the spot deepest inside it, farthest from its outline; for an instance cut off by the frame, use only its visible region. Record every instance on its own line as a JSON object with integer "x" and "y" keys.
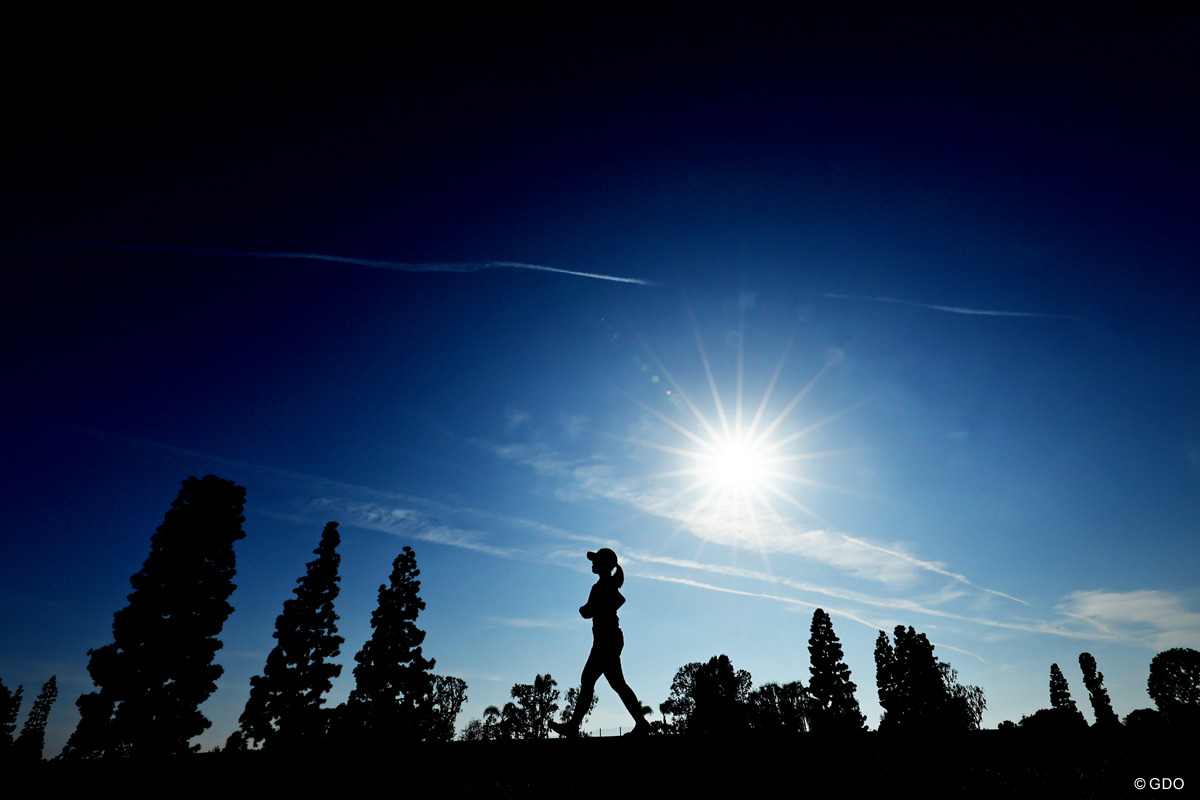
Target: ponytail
{"x": 601, "y": 559}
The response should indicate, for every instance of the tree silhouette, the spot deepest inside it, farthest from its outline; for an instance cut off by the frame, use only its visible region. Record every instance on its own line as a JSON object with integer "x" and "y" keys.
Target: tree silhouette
{"x": 284, "y": 710}
{"x": 926, "y": 706}
{"x": 235, "y": 743}
{"x": 10, "y": 707}
{"x": 967, "y": 701}
{"x": 1174, "y": 685}
{"x": 394, "y": 682}
{"x": 512, "y": 722}
{"x": 779, "y": 710}
{"x": 569, "y": 703}
{"x": 709, "y": 699}
{"x": 536, "y": 704}
{"x": 1063, "y": 715}
{"x": 834, "y": 708}
{"x": 887, "y": 681}
{"x": 32, "y": 741}
{"x": 443, "y": 707}
{"x": 1060, "y": 693}
{"x": 508, "y": 723}
{"x": 1093, "y": 680}
{"x": 486, "y": 729}
{"x": 528, "y": 716}
{"x": 919, "y": 693}
{"x": 1055, "y": 721}
{"x": 159, "y": 667}
{"x": 1146, "y": 720}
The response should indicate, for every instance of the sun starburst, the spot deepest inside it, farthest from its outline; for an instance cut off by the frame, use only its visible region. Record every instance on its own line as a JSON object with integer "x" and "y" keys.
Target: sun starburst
{"x": 736, "y": 462}
{"x": 740, "y": 471}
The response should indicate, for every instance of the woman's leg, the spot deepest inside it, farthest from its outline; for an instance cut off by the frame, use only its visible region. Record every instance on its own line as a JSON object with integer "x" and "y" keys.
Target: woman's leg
{"x": 616, "y": 679}
{"x": 593, "y": 668}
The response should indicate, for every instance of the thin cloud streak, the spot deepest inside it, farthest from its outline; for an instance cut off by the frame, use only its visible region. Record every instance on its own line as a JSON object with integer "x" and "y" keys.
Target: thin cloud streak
{"x": 521, "y": 622}
{"x": 1038, "y": 626}
{"x": 846, "y": 595}
{"x": 399, "y": 266}
{"x": 933, "y": 567}
{"x": 770, "y": 535}
{"x": 320, "y": 499}
{"x": 892, "y": 603}
{"x": 404, "y": 522}
{"x": 981, "y": 312}
{"x": 779, "y": 598}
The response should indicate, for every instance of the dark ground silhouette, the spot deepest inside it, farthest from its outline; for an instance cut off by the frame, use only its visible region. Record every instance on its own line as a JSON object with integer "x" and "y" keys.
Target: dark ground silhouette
{"x": 980, "y": 764}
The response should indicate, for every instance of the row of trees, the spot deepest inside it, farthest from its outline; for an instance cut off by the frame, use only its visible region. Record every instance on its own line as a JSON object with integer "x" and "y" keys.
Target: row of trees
{"x": 151, "y": 680}
{"x": 715, "y": 698}
{"x": 396, "y": 698}
{"x": 918, "y": 693}
{"x": 29, "y": 744}
{"x": 1173, "y": 684}
{"x": 528, "y": 714}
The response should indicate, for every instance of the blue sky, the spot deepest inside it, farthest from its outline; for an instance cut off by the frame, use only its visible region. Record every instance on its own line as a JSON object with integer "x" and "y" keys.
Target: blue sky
{"x": 944, "y": 269}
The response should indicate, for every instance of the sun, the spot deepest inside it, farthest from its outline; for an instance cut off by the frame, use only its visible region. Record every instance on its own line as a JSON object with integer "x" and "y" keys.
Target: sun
{"x": 737, "y": 467}
{"x": 735, "y": 462}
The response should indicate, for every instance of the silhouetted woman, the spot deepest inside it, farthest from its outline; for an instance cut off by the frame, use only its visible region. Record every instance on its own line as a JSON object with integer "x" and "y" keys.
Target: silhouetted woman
{"x": 607, "y": 643}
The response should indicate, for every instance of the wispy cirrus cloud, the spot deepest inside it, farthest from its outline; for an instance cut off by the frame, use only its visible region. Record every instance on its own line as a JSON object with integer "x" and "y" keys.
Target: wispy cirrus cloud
{"x": 1151, "y": 617}
{"x": 397, "y": 266}
{"x": 523, "y": 622}
{"x": 848, "y": 599}
{"x": 770, "y": 533}
{"x": 404, "y": 517}
{"x": 925, "y": 605}
{"x": 977, "y": 312}
{"x": 316, "y": 499}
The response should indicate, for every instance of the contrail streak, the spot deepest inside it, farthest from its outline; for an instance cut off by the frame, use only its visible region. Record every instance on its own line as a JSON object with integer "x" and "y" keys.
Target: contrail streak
{"x": 399, "y": 266}
{"x": 952, "y": 309}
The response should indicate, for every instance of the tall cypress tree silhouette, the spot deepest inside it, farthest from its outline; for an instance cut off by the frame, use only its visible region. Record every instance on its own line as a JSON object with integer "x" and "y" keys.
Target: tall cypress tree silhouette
{"x": 32, "y": 741}
{"x": 159, "y": 667}
{"x": 887, "y": 681}
{"x": 835, "y": 708}
{"x": 1060, "y": 693}
{"x": 10, "y": 707}
{"x": 393, "y": 681}
{"x": 1093, "y": 681}
{"x": 285, "y": 711}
